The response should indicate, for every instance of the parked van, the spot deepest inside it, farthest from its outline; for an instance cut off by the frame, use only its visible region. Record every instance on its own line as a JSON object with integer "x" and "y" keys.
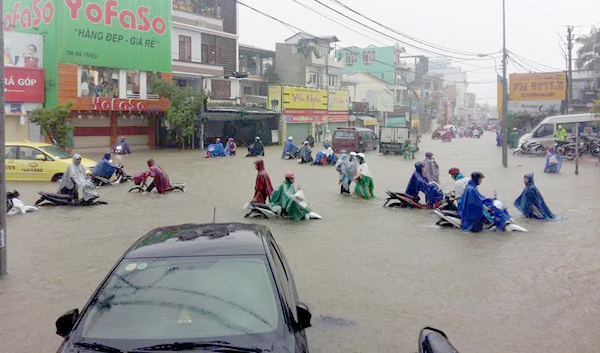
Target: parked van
{"x": 353, "y": 139}
{"x": 546, "y": 130}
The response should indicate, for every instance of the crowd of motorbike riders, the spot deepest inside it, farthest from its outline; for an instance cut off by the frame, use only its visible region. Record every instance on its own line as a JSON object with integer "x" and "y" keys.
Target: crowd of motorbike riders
{"x": 474, "y": 210}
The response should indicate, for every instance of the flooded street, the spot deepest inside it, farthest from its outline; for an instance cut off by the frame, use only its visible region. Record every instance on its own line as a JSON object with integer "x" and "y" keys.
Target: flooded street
{"x": 372, "y": 277}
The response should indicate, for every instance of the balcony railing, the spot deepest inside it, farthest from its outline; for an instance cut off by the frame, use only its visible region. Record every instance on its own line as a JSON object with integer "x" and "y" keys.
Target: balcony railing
{"x": 205, "y": 8}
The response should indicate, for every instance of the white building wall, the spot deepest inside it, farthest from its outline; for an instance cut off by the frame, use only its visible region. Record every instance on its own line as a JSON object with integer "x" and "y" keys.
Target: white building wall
{"x": 196, "y": 43}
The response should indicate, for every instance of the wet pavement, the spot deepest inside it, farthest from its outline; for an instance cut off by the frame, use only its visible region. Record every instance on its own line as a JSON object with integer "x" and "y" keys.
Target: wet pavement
{"x": 371, "y": 276}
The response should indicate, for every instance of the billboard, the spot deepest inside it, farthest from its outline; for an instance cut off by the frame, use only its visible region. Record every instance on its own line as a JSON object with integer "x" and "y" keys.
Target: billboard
{"x": 125, "y": 34}
{"x": 275, "y": 98}
{"x": 23, "y": 85}
{"x": 304, "y": 98}
{"x": 23, "y": 50}
{"x": 534, "y": 108}
{"x": 339, "y": 101}
{"x": 550, "y": 86}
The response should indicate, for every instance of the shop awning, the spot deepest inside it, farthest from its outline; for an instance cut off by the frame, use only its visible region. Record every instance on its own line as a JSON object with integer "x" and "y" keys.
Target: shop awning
{"x": 367, "y": 120}
{"x": 236, "y": 113}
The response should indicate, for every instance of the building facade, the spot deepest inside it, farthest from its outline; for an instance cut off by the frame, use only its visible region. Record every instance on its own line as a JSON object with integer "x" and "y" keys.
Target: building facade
{"x": 385, "y": 63}
{"x": 259, "y": 64}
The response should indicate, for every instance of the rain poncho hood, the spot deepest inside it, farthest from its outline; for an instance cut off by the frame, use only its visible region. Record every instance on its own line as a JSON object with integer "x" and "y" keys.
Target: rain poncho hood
{"x": 290, "y": 148}
{"x": 74, "y": 176}
{"x": 471, "y": 208}
{"x": 553, "y": 162}
{"x": 104, "y": 168}
{"x": 284, "y": 198}
{"x": 531, "y": 202}
{"x": 263, "y": 188}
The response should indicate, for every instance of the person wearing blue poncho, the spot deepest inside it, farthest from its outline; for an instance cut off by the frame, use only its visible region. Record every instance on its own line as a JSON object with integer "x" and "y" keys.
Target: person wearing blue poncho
{"x": 531, "y": 202}
{"x": 417, "y": 182}
{"x": 553, "y": 162}
{"x": 470, "y": 208}
{"x": 215, "y": 149}
{"x": 105, "y": 168}
{"x": 290, "y": 148}
{"x": 122, "y": 147}
{"x": 327, "y": 156}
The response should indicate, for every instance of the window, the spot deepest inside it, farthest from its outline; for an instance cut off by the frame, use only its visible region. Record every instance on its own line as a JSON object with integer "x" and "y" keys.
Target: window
{"x": 28, "y": 153}
{"x": 209, "y": 52}
{"x": 196, "y": 297}
{"x": 368, "y": 57}
{"x": 342, "y": 134}
{"x": 133, "y": 83}
{"x": 220, "y": 89}
{"x": 151, "y": 77}
{"x": 11, "y": 152}
{"x": 57, "y": 152}
{"x": 351, "y": 58}
{"x": 314, "y": 78}
{"x": 185, "y": 48}
{"x": 99, "y": 82}
{"x": 544, "y": 130}
{"x": 281, "y": 274}
{"x": 247, "y": 90}
{"x": 332, "y": 80}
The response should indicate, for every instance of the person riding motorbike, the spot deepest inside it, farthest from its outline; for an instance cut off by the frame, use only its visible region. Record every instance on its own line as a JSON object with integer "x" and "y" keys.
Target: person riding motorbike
{"x": 418, "y": 183}
{"x": 230, "y": 147}
{"x": 105, "y": 168}
{"x": 122, "y": 147}
{"x": 460, "y": 182}
{"x": 283, "y": 200}
{"x": 74, "y": 178}
{"x": 256, "y": 149}
{"x": 289, "y": 149}
{"x": 311, "y": 141}
{"x": 161, "y": 178}
{"x": 305, "y": 153}
{"x": 561, "y": 135}
{"x": 471, "y": 205}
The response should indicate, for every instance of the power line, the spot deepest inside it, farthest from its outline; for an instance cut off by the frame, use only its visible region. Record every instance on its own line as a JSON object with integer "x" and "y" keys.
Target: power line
{"x": 534, "y": 62}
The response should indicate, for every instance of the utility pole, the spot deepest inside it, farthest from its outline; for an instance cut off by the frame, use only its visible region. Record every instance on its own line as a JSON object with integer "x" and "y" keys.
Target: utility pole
{"x": 3, "y": 269}
{"x": 504, "y": 92}
{"x": 570, "y": 93}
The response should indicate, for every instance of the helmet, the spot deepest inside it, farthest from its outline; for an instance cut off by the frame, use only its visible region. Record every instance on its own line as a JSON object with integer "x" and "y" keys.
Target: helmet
{"x": 454, "y": 171}
{"x": 290, "y": 175}
{"x": 419, "y": 166}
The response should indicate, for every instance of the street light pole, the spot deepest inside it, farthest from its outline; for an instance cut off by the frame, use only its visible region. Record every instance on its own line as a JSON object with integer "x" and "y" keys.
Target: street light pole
{"x": 504, "y": 92}
{"x": 3, "y": 266}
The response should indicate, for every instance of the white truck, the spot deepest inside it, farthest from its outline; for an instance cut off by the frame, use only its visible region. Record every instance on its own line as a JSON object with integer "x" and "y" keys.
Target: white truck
{"x": 393, "y": 139}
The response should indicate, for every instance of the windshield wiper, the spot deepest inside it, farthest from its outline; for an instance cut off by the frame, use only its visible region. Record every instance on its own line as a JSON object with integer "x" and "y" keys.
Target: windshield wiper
{"x": 214, "y": 346}
{"x": 98, "y": 347}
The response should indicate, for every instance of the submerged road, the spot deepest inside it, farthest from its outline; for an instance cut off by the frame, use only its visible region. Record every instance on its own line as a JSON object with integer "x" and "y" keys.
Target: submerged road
{"x": 371, "y": 276}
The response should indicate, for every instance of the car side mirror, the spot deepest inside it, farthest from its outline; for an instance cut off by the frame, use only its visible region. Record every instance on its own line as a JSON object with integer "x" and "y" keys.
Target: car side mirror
{"x": 65, "y": 323}
{"x": 40, "y": 157}
{"x": 304, "y": 317}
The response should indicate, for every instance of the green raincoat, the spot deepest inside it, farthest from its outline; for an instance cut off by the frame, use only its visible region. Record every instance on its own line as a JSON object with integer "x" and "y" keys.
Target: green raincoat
{"x": 364, "y": 182}
{"x": 284, "y": 197}
{"x": 561, "y": 134}
{"x": 514, "y": 139}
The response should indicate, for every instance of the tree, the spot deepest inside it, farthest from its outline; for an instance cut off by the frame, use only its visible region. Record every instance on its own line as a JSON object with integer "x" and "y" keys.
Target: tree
{"x": 55, "y": 122}
{"x": 270, "y": 75}
{"x": 588, "y": 55}
{"x": 184, "y": 110}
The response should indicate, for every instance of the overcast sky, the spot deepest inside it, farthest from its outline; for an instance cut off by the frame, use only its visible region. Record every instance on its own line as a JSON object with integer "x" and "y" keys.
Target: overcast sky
{"x": 475, "y": 26}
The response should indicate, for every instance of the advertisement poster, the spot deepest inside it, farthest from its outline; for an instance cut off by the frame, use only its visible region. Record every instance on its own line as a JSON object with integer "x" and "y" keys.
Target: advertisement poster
{"x": 339, "y": 101}
{"x": 23, "y": 50}
{"x": 534, "y": 108}
{"x": 274, "y": 99}
{"x": 23, "y": 85}
{"x": 304, "y": 98}
{"x": 550, "y": 86}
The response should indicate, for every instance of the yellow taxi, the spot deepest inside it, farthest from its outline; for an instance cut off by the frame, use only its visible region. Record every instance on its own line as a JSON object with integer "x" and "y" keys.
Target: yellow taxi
{"x": 34, "y": 161}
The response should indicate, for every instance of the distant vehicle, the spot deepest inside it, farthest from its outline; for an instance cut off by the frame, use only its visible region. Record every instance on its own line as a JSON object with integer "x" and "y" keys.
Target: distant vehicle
{"x": 213, "y": 287}
{"x": 34, "y": 161}
{"x": 545, "y": 131}
{"x": 353, "y": 139}
{"x": 392, "y": 139}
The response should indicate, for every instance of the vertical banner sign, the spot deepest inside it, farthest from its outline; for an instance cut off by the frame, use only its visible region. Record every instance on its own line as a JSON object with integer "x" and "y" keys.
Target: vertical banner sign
{"x": 127, "y": 34}
{"x": 275, "y": 98}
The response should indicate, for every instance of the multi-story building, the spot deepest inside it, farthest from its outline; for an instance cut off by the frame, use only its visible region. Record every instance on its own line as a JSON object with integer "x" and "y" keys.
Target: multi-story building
{"x": 385, "y": 63}
{"x": 453, "y": 76}
{"x": 259, "y": 64}
{"x": 306, "y": 60}
{"x": 586, "y": 88}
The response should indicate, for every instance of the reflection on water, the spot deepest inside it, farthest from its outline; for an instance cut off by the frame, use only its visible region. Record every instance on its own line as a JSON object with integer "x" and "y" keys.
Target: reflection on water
{"x": 389, "y": 272}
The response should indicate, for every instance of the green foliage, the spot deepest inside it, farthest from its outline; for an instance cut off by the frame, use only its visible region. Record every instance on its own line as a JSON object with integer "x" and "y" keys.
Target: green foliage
{"x": 270, "y": 75}
{"x": 524, "y": 120}
{"x": 185, "y": 109}
{"x": 596, "y": 108}
{"x": 587, "y": 54}
{"x": 55, "y": 122}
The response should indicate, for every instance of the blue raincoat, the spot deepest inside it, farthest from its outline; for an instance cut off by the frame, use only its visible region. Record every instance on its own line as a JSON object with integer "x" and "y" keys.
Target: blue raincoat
{"x": 124, "y": 147}
{"x": 347, "y": 171}
{"x": 531, "y": 202}
{"x": 417, "y": 184}
{"x": 104, "y": 169}
{"x": 470, "y": 209}
{"x": 215, "y": 150}
{"x": 498, "y": 138}
{"x": 434, "y": 193}
{"x": 289, "y": 148}
{"x": 553, "y": 163}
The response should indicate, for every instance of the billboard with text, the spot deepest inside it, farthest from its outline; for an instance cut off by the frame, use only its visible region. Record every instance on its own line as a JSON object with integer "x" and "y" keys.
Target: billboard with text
{"x": 549, "y": 86}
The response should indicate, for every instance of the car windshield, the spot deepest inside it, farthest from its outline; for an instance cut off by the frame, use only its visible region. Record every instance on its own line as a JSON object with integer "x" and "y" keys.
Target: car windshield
{"x": 57, "y": 152}
{"x": 184, "y": 298}
{"x": 344, "y": 134}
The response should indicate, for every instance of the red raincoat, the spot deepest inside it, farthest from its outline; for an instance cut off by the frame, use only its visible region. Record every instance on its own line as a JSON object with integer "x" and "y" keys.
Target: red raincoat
{"x": 263, "y": 188}
{"x": 161, "y": 179}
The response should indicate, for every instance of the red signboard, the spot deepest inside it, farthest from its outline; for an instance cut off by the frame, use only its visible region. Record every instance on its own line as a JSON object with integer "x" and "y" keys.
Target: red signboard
{"x": 120, "y": 105}
{"x": 23, "y": 85}
{"x": 314, "y": 116}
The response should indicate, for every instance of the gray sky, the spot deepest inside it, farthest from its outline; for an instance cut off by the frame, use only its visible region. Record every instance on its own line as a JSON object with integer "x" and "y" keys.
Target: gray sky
{"x": 464, "y": 25}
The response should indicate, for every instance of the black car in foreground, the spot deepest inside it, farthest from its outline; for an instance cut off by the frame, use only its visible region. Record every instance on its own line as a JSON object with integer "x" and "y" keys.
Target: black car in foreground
{"x": 213, "y": 287}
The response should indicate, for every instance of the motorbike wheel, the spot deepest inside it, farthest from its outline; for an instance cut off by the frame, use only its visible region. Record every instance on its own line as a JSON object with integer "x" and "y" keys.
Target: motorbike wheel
{"x": 570, "y": 153}
{"x": 396, "y": 205}
{"x": 39, "y": 202}
{"x": 137, "y": 188}
{"x": 178, "y": 188}
{"x": 253, "y": 214}
{"x": 540, "y": 151}
{"x": 517, "y": 153}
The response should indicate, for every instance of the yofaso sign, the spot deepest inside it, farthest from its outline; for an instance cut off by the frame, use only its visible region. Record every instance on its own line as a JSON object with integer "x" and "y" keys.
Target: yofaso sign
{"x": 126, "y": 34}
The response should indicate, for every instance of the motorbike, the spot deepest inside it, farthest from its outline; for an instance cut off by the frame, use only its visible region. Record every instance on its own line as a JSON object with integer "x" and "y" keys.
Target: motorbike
{"x": 436, "y": 135}
{"x": 434, "y": 196}
{"x": 144, "y": 187}
{"x": 119, "y": 175}
{"x": 495, "y": 212}
{"x": 261, "y": 210}
{"x": 530, "y": 148}
{"x": 54, "y": 199}
{"x": 432, "y": 340}
{"x": 15, "y": 206}
{"x": 289, "y": 155}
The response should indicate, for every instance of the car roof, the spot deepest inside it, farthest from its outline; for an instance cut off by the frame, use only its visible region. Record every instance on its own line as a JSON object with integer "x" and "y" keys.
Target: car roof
{"x": 354, "y": 128}
{"x": 569, "y": 118}
{"x": 29, "y": 144}
{"x": 213, "y": 239}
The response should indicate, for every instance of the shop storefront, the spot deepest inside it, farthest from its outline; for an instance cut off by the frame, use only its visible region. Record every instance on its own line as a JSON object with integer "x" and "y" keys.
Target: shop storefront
{"x": 23, "y": 85}
{"x": 103, "y": 57}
